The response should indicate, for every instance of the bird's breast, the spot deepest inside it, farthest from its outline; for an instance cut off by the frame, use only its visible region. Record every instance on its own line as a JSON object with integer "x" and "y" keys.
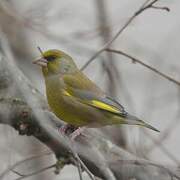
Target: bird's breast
{"x": 63, "y": 108}
{"x": 54, "y": 89}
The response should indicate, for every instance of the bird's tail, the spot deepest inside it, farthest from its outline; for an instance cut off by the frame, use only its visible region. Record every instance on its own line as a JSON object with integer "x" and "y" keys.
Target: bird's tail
{"x": 132, "y": 120}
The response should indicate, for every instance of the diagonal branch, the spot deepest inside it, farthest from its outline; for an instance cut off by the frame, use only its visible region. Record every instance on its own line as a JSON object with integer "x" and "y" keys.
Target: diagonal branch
{"x": 24, "y": 176}
{"x": 146, "y": 5}
{"x": 135, "y": 60}
{"x": 92, "y": 161}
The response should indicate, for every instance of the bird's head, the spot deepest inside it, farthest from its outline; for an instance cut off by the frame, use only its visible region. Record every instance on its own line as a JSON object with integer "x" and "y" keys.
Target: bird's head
{"x": 55, "y": 62}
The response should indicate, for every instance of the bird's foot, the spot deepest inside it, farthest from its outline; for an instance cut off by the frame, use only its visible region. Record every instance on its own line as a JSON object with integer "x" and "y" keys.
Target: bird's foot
{"x": 66, "y": 129}
{"x": 77, "y": 133}
{"x": 71, "y": 131}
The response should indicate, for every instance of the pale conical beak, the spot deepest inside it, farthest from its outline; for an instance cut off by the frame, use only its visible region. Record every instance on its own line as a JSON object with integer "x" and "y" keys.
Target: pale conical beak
{"x": 41, "y": 62}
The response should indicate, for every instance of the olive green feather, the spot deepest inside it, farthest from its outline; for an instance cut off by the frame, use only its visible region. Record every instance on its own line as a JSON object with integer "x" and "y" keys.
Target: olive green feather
{"x": 75, "y": 99}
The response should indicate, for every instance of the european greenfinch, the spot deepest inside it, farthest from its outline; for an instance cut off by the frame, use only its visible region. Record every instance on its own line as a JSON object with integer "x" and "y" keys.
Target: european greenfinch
{"x": 75, "y": 99}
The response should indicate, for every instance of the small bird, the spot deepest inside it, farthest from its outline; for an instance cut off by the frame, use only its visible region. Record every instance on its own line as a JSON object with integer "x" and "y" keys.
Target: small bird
{"x": 75, "y": 99}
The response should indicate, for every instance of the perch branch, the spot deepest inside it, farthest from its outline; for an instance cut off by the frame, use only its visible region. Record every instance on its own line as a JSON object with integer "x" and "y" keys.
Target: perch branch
{"x": 16, "y": 107}
{"x": 34, "y": 118}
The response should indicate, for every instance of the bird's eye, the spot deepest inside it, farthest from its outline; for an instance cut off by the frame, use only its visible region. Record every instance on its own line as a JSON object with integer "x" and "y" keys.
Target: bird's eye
{"x": 50, "y": 58}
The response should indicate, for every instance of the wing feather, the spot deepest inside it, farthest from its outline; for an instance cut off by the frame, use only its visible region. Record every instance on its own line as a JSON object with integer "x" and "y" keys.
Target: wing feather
{"x": 91, "y": 95}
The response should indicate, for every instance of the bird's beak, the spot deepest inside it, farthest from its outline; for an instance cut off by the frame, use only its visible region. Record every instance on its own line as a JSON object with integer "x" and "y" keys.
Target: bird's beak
{"x": 41, "y": 62}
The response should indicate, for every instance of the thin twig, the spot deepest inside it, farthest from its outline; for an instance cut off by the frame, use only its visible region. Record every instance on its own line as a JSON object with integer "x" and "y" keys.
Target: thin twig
{"x": 21, "y": 162}
{"x": 162, "y": 8}
{"x": 79, "y": 169}
{"x": 40, "y": 50}
{"x": 135, "y": 60}
{"x": 24, "y": 176}
{"x": 142, "y": 8}
{"x": 84, "y": 166}
{"x": 146, "y": 6}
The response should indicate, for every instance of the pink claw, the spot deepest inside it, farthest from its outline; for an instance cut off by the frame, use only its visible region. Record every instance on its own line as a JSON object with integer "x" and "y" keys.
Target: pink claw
{"x": 62, "y": 130}
{"x": 77, "y": 133}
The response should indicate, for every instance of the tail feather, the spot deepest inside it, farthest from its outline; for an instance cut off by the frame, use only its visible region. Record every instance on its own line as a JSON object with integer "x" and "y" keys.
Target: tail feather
{"x": 132, "y": 120}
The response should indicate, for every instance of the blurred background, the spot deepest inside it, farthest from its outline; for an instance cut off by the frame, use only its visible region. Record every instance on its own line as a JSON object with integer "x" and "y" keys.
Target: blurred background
{"x": 81, "y": 28}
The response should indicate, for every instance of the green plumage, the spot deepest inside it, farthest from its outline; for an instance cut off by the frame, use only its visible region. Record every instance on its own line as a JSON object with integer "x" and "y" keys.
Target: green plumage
{"x": 76, "y": 100}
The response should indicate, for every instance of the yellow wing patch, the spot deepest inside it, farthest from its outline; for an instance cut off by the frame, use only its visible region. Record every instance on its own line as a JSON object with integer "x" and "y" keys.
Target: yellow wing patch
{"x": 66, "y": 93}
{"x": 96, "y": 103}
{"x": 104, "y": 106}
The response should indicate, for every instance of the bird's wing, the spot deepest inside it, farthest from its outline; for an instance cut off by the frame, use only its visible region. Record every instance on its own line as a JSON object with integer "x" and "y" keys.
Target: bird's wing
{"x": 89, "y": 95}
{"x": 79, "y": 81}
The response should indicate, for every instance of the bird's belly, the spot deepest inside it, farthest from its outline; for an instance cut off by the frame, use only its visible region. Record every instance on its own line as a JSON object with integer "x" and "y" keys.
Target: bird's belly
{"x": 70, "y": 111}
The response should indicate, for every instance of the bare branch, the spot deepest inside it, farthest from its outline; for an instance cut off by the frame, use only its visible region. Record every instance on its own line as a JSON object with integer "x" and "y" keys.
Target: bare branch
{"x": 146, "y": 5}
{"x": 151, "y": 5}
{"x": 24, "y": 176}
{"x": 80, "y": 162}
{"x": 22, "y": 161}
{"x": 79, "y": 170}
{"x": 135, "y": 60}
{"x": 162, "y": 8}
